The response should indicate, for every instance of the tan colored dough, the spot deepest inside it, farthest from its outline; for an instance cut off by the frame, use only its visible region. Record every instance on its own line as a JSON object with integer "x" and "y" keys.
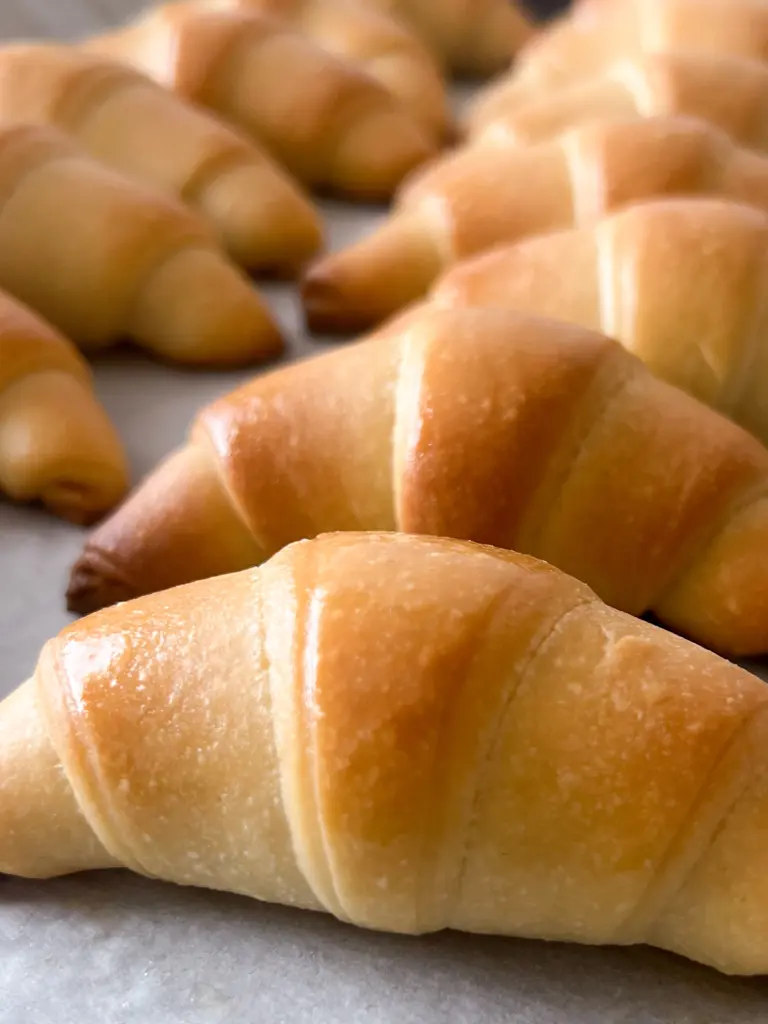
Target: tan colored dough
{"x": 57, "y": 445}
{"x": 412, "y": 734}
{"x": 729, "y": 92}
{"x": 574, "y": 49}
{"x": 122, "y": 118}
{"x": 106, "y": 259}
{"x": 523, "y": 433}
{"x": 484, "y": 196}
{"x": 329, "y": 123}
{"x": 371, "y": 39}
{"x": 680, "y": 282}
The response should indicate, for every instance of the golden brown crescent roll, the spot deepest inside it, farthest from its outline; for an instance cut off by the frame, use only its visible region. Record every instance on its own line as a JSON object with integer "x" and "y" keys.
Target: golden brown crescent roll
{"x": 680, "y": 283}
{"x": 573, "y": 49}
{"x": 57, "y": 445}
{"x": 483, "y": 196}
{"x": 331, "y": 124}
{"x": 412, "y": 734}
{"x": 472, "y": 37}
{"x": 379, "y": 44}
{"x": 730, "y": 92}
{"x": 124, "y": 119}
{"x": 104, "y": 258}
{"x": 478, "y": 424}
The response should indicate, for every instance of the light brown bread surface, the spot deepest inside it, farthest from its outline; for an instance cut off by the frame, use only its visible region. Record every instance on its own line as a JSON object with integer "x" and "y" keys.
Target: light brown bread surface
{"x": 333, "y": 126}
{"x": 484, "y": 196}
{"x": 106, "y": 259}
{"x": 409, "y": 733}
{"x": 122, "y": 118}
{"x": 57, "y": 445}
{"x": 509, "y": 430}
{"x": 680, "y": 282}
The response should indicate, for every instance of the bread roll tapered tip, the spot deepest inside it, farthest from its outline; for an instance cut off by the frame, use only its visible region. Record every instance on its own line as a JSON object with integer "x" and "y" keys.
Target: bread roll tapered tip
{"x": 377, "y": 153}
{"x": 82, "y": 503}
{"x": 268, "y": 227}
{"x": 222, "y": 322}
{"x": 95, "y": 584}
{"x": 366, "y": 283}
{"x": 43, "y": 833}
{"x": 58, "y": 447}
{"x": 325, "y": 308}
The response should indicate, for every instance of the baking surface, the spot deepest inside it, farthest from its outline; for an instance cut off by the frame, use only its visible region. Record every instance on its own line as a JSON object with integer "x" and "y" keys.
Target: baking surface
{"x": 114, "y": 949}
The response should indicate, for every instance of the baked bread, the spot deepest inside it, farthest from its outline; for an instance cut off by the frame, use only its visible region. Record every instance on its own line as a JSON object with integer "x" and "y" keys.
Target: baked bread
{"x": 729, "y": 92}
{"x": 409, "y": 733}
{"x": 106, "y": 259}
{"x": 334, "y": 127}
{"x": 679, "y": 282}
{"x": 485, "y": 196}
{"x": 572, "y": 49}
{"x": 57, "y": 445}
{"x": 483, "y": 425}
{"x": 122, "y": 118}
{"x": 379, "y": 44}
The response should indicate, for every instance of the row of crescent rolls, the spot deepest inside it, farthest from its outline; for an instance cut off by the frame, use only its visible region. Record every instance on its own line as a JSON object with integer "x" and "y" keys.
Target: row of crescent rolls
{"x": 597, "y": 35}
{"x": 112, "y": 254}
{"x": 627, "y": 220}
{"x": 476, "y": 38}
{"x": 479, "y": 424}
{"x": 666, "y": 131}
{"x": 100, "y": 259}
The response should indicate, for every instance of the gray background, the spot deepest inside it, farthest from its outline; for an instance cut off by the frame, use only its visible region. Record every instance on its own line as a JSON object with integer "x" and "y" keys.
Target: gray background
{"x": 114, "y": 949}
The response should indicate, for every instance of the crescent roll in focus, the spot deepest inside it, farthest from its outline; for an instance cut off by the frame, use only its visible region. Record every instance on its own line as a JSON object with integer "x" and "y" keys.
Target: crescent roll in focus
{"x": 478, "y": 424}
{"x": 680, "y": 282}
{"x": 409, "y": 733}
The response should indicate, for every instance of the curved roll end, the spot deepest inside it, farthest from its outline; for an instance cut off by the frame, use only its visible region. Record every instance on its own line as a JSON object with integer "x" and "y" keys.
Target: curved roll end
{"x": 199, "y": 310}
{"x": 177, "y": 527}
{"x": 417, "y": 82}
{"x": 94, "y": 583}
{"x": 722, "y": 598}
{"x": 57, "y": 446}
{"x": 500, "y": 35}
{"x": 719, "y": 915}
{"x": 265, "y": 222}
{"x": 376, "y": 153}
{"x": 363, "y": 285}
{"x": 42, "y": 831}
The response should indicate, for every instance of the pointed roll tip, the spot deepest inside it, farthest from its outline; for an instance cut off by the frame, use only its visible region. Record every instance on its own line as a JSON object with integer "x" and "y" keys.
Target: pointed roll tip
{"x": 378, "y": 152}
{"x": 83, "y": 502}
{"x": 42, "y": 830}
{"x": 361, "y": 286}
{"x": 265, "y": 221}
{"x": 177, "y": 526}
{"x": 58, "y": 447}
{"x": 329, "y": 308}
{"x": 199, "y": 309}
{"x": 95, "y": 583}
